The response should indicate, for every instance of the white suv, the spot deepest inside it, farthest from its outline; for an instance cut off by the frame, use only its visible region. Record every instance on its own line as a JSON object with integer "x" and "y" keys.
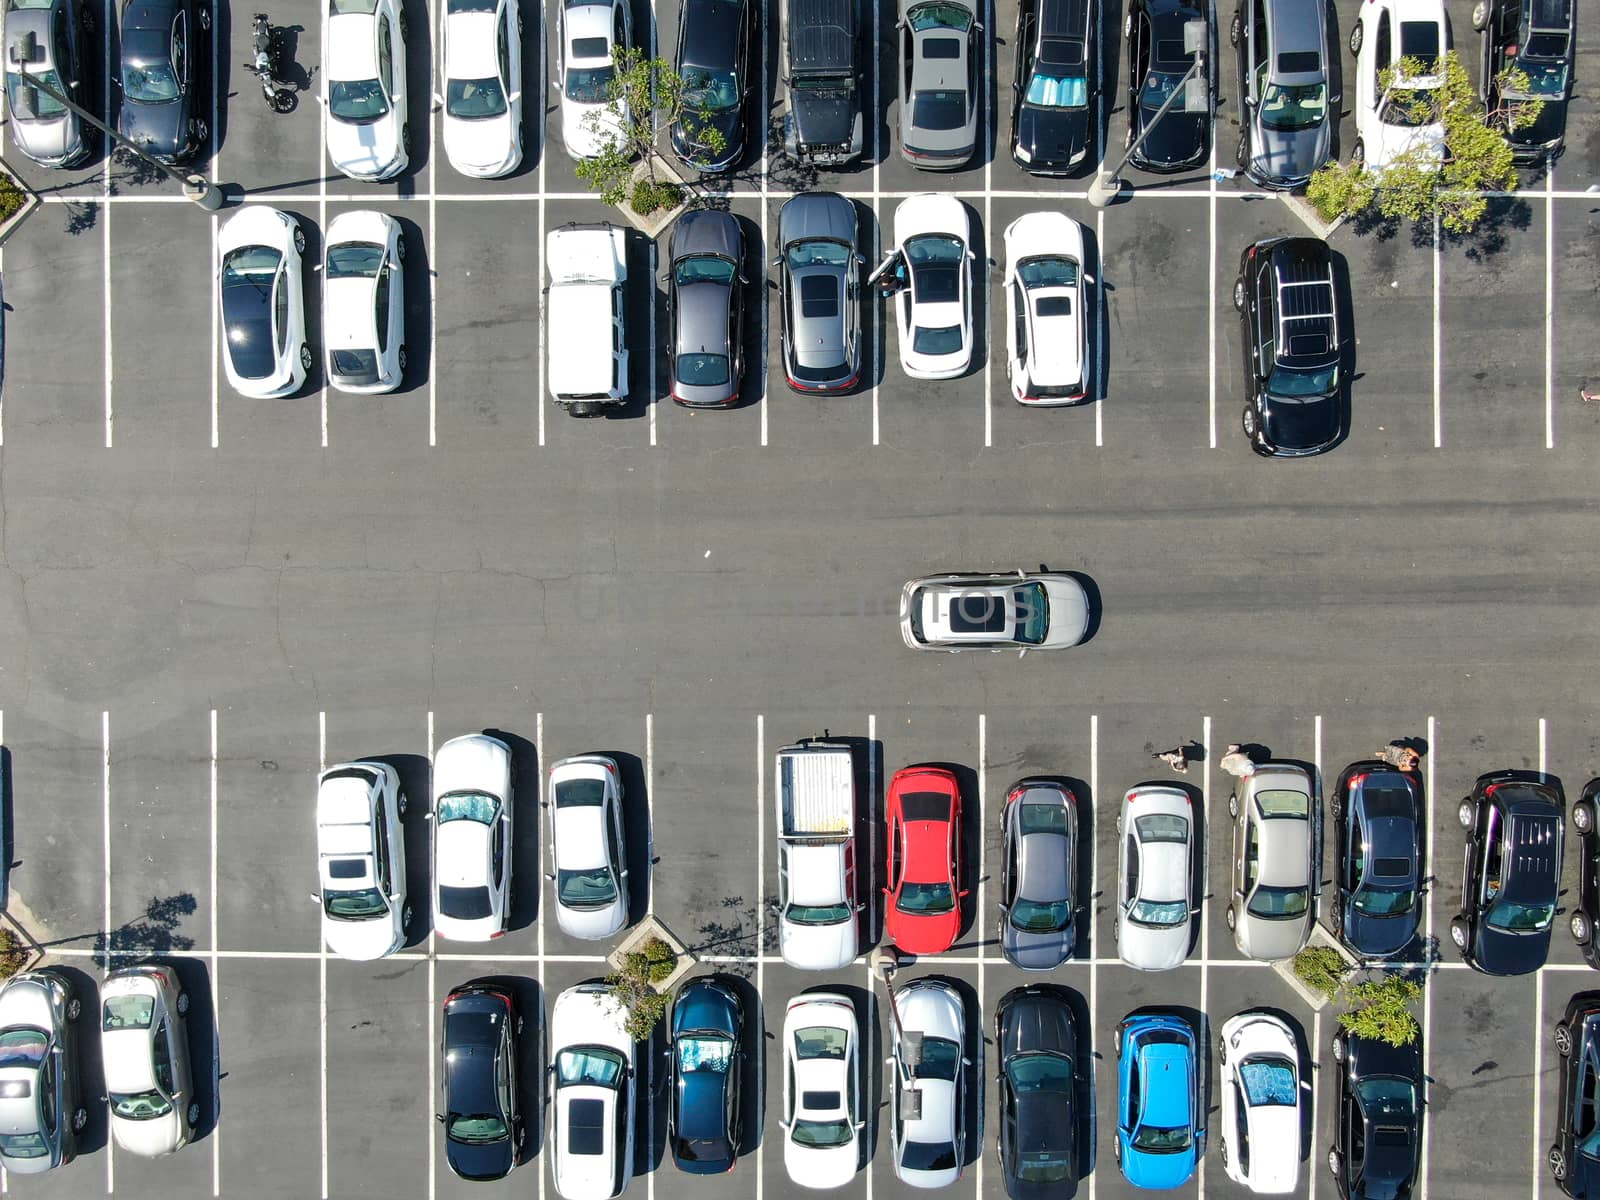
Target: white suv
{"x": 588, "y": 368}
{"x": 591, "y": 1112}
{"x": 361, "y": 860}
{"x": 1394, "y": 122}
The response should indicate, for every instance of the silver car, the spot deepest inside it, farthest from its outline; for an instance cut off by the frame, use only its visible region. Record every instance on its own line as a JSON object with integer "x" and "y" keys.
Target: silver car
{"x": 1037, "y": 892}
{"x": 1042, "y": 611}
{"x": 705, "y": 308}
{"x": 820, "y": 274}
{"x": 46, "y": 130}
{"x": 1277, "y": 841}
{"x": 40, "y": 1109}
{"x": 144, "y": 1049}
{"x": 938, "y": 83}
{"x": 1155, "y": 874}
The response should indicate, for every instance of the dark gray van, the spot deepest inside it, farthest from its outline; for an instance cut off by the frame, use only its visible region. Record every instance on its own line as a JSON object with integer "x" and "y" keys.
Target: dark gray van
{"x": 1286, "y": 97}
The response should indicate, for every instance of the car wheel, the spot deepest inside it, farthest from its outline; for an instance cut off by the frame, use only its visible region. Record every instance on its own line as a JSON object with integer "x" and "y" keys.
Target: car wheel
{"x": 1231, "y": 917}
{"x": 305, "y": 356}
{"x": 1222, "y": 1054}
{"x": 1355, "y": 38}
{"x": 1480, "y": 15}
{"x": 201, "y": 131}
{"x": 1458, "y": 934}
{"x": 1464, "y": 814}
{"x": 74, "y": 1009}
{"x": 1581, "y": 931}
{"x": 1233, "y": 804}
{"x": 1250, "y": 423}
{"x": 1558, "y": 1162}
{"x": 404, "y": 24}
{"x": 1243, "y": 153}
{"x": 1235, "y": 29}
{"x": 400, "y": 247}
{"x": 1238, "y": 294}
{"x": 405, "y": 919}
{"x": 1563, "y": 1039}
{"x": 1333, "y": 1162}
{"x": 1339, "y": 1047}
{"x": 194, "y": 1114}
{"x": 1358, "y": 154}
{"x": 401, "y": 803}
{"x": 299, "y": 240}
{"x": 1583, "y": 816}
{"x": 400, "y": 359}
{"x": 405, "y": 137}
{"x": 183, "y": 1003}
{"x": 79, "y": 1120}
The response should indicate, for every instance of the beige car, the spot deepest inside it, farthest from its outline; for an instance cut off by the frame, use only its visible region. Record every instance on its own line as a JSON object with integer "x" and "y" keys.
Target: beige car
{"x": 1277, "y": 850}
{"x": 144, "y": 1048}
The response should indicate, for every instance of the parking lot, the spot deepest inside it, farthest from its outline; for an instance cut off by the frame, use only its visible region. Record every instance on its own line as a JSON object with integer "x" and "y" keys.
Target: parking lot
{"x": 210, "y": 597}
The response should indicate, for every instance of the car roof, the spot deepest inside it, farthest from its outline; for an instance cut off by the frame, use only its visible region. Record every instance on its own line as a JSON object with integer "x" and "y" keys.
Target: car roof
{"x": 710, "y": 34}
{"x": 351, "y": 49}
{"x": 1166, "y": 1068}
{"x": 470, "y": 51}
{"x": 1551, "y": 13}
{"x": 1297, "y": 28}
{"x": 1302, "y": 270}
{"x": 580, "y": 836}
{"x": 927, "y": 831}
{"x": 700, "y": 323}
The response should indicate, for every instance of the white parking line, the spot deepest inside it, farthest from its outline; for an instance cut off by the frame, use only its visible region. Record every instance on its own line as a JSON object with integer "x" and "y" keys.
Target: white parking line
{"x": 761, "y": 908}
{"x": 105, "y": 779}
{"x": 216, "y": 1011}
{"x": 433, "y": 995}
{"x": 1542, "y": 746}
{"x": 1211, "y": 294}
{"x": 871, "y": 1101}
{"x": 108, "y": 14}
{"x": 982, "y": 916}
{"x": 1311, "y": 1161}
{"x": 1099, "y": 331}
{"x": 1094, "y": 886}
{"x": 1538, "y": 1068}
{"x": 650, "y": 397}
{"x": 761, "y": 259}
{"x": 542, "y": 401}
{"x": 1432, "y": 950}
{"x": 1549, "y": 302}
{"x": 993, "y": 242}
{"x": 650, "y": 813}
{"x": 538, "y": 741}
{"x": 322, "y": 977}
{"x": 434, "y": 72}
{"x": 1205, "y": 924}
{"x": 1438, "y": 253}
{"x": 216, "y": 178}
{"x": 880, "y": 345}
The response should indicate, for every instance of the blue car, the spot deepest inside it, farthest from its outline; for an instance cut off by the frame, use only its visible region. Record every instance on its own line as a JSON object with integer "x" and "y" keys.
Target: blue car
{"x": 1159, "y": 1136}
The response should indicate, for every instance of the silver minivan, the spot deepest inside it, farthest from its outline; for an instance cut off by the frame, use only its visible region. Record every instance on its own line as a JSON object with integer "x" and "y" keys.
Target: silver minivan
{"x": 1286, "y": 127}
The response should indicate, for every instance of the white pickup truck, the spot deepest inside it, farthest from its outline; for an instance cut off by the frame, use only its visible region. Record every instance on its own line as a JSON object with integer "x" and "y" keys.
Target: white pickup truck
{"x": 816, "y": 800}
{"x": 584, "y": 331}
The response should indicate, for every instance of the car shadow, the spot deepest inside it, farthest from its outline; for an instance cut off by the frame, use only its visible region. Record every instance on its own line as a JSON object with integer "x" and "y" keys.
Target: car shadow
{"x": 638, "y": 834}
{"x": 311, "y": 257}
{"x": 1099, "y": 317}
{"x": 753, "y": 1062}
{"x": 205, "y": 1048}
{"x": 416, "y": 785}
{"x": 8, "y": 841}
{"x": 645, "y": 311}
{"x": 418, "y": 274}
{"x": 525, "y": 833}
{"x": 649, "y": 1151}
{"x": 873, "y": 312}
{"x": 984, "y": 265}
{"x": 219, "y": 72}
{"x": 96, "y": 1132}
{"x": 971, "y": 933}
{"x": 1344, "y": 314}
{"x": 420, "y": 55}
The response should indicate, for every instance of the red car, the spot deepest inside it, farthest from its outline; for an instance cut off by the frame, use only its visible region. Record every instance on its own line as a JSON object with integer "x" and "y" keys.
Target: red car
{"x": 924, "y": 818}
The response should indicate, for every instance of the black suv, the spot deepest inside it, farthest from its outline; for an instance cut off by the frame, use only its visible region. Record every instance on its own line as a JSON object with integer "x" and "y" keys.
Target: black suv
{"x": 1539, "y": 38}
{"x": 1293, "y": 347}
{"x": 1055, "y": 85}
{"x": 1586, "y": 912}
{"x": 1512, "y": 874}
{"x": 1377, "y": 813}
{"x": 1574, "y": 1157}
{"x": 823, "y": 77}
{"x": 1378, "y": 1123}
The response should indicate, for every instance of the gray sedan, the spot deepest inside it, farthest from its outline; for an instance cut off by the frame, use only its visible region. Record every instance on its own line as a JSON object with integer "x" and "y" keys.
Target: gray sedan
{"x": 705, "y": 308}
{"x": 938, "y": 83}
{"x": 1277, "y": 840}
{"x": 46, "y": 130}
{"x": 820, "y": 281}
{"x": 41, "y": 1112}
{"x": 1037, "y": 890}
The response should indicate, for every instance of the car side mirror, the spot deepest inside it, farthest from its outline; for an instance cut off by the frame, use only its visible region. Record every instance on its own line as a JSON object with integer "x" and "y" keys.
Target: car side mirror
{"x": 860, "y": 1125}
{"x": 860, "y": 907}
{"x": 783, "y": 1125}
{"x": 439, "y": 1117}
{"x": 514, "y": 97}
{"x": 427, "y": 816}
{"x": 315, "y": 899}
{"x": 550, "y": 875}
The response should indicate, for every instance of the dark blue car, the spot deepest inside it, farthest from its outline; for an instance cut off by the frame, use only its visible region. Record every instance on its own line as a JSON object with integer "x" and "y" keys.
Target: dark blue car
{"x": 707, "y": 1053}
{"x": 1377, "y": 814}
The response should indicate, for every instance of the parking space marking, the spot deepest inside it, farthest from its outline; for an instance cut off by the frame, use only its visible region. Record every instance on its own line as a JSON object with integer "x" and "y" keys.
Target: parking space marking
{"x": 1094, "y": 886}
{"x": 761, "y": 259}
{"x": 1101, "y": 375}
{"x": 983, "y": 903}
{"x": 1431, "y": 951}
{"x": 1311, "y": 1160}
{"x": 880, "y": 344}
{"x": 1549, "y": 302}
{"x": 1205, "y": 924}
{"x": 538, "y": 733}
{"x": 1542, "y": 746}
{"x": 216, "y": 303}
{"x": 1211, "y": 293}
{"x": 322, "y": 971}
{"x": 433, "y": 971}
{"x": 872, "y": 892}
{"x": 990, "y": 254}
{"x": 650, "y": 806}
{"x": 1538, "y": 1067}
{"x": 1438, "y": 425}
{"x": 216, "y": 1010}
{"x": 761, "y": 907}
{"x": 105, "y": 833}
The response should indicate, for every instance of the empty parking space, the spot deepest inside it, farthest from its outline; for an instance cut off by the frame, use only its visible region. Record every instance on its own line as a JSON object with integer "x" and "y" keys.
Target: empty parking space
{"x": 1576, "y": 299}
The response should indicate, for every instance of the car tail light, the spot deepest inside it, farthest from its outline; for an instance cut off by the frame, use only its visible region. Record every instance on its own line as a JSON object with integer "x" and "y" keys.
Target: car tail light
{"x": 1250, "y": 254}
{"x": 1013, "y": 795}
{"x": 498, "y": 933}
{"x": 1357, "y": 779}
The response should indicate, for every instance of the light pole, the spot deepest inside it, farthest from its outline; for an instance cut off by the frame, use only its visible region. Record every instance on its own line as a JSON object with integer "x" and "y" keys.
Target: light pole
{"x": 1107, "y": 185}
{"x": 195, "y": 186}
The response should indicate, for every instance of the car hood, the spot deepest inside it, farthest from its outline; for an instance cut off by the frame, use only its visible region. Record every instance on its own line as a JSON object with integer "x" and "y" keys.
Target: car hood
{"x": 1037, "y": 1022}
{"x": 1179, "y": 139}
{"x": 161, "y": 129}
{"x": 576, "y": 136}
{"x": 1392, "y": 141}
{"x": 592, "y": 923}
{"x": 1154, "y": 949}
{"x": 481, "y": 146}
{"x": 1054, "y": 137}
{"x": 817, "y": 215}
{"x": 361, "y": 941}
{"x": 1264, "y": 939}
{"x": 819, "y": 947}
{"x": 1379, "y": 937}
{"x": 364, "y": 151}
{"x": 1549, "y": 126}
{"x": 925, "y": 934}
{"x": 1035, "y": 951}
{"x": 476, "y": 764}
{"x": 819, "y": 120}
{"x": 1289, "y": 156}
{"x": 57, "y": 139}
{"x": 1302, "y": 424}
{"x": 492, "y": 1160}
{"x": 149, "y": 1139}
{"x": 1583, "y": 1177}
{"x": 1069, "y": 612}
{"x": 729, "y": 124}
{"x": 1159, "y": 1170}
{"x": 1501, "y": 953}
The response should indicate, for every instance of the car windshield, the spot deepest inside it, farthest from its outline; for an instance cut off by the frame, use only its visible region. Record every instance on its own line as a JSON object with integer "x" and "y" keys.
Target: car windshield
{"x": 1157, "y": 87}
{"x": 821, "y": 1042}
{"x": 928, "y": 1156}
{"x": 1162, "y": 827}
{"x": 590, "y": 85}
{"x": 127, "y": 1012}
{"x": 1044, "y": 272}
{"x": 1407, "y": 108}
{"x": 939, "y": 16}
{"x": 355, "y": 364}
{"x": 1159, "y": 913}
{"x": 1291, "y": 383}
{"x": 1033, "y": 607}
{"x": 474, "y": 99}
{"x": 1298, "y": 106}
{"x": 354, "y": 260}
{"x": 818, "y": 254}
{"x": 251, "y": 266}
{"x": 23, "y": 1145}
{"x": 44, "y": 105}
{"x": 1544, "y": 79}
{"x": 1279, "y": 903}
{"x": 703, "y": 268}
{"x": 817, "y": 914}
{"x": 357, "y": 101}
{"x": 1386, "y": 1096}
{"x": 1384, "y": 902}
{"x": 821, "y": 1134}
{"x": 357, "y": 905}
{"x": 23, "y": 1047}
{"x": 1044, "y": 818}
{"x": 1520, "y": 918}
{"x": 709, "y": 91}
{"x": 1283, "y": 804}
{"x": 925, "y": 899}
{"x": 1268, "y": 1082}
{"x": 704, "y": 1053}
{"x": 476, "y": 1127}
{"x": 1039, "y": 1072}
{"x": 150, "y": 82}
{"x": 590, "y": 1066}
{"x": 944, "y": 340}
{"x": 465, "y": 903}
{"x": 586, "y": 889}
{"x": 468, "y": 806}
{"x": 938, "y": 109}
{"x": 1032, "y": 916}
{"x": 1046, "y": 89}
{"x": 140, "y": 1106}
{"x": 1162, "y": 1139}
{"x": 1546, "y": 45}
{"x": 702, "y": 370}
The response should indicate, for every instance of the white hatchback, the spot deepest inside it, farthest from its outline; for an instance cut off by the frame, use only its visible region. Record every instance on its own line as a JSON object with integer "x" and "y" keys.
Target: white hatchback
{"x": 592, "y": 1101}
{"x": 472, "y": 830}
{"x": 1046, "y": 359}
{"x": 481, "y": 122}
{"x": 364, "y": 88}
{"x": 588, "y": 33}
{"x": 1396, "y": 122}
{"x": 262, "y": 296}
{"x": 361, "y": 860}
{"x": 364, "y": 302}
{"x": 588, "y": 846}
{"x": 821, "y": 1090}
{"x": 932, "y": 272}
{"x": 144, "y": 1049}
{"x": 1261, "y": 1097}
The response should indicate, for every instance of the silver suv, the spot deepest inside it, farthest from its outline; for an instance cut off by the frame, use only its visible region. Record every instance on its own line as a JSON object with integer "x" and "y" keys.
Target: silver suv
{"x": 40, "y": 1112}
{"x": 1282, "y": 49}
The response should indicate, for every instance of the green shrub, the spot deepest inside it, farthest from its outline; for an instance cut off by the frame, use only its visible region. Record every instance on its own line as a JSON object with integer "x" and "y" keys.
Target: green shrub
{"x": 13, "y": 954}
{"x": 1382, "y": 1011}
{"x": 631, "y": 986}
{"x": 660, "y": 960}
{"x": 648, "y": 197}
{"x": 12, "y": 198}
{"x": 1322, "y": 969}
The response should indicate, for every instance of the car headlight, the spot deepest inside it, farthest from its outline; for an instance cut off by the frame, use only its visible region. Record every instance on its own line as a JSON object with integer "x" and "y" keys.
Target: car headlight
{"x": 1079, "y": 156}
{"x": 1023, "y": 154}
{"x": 855, "y": 136}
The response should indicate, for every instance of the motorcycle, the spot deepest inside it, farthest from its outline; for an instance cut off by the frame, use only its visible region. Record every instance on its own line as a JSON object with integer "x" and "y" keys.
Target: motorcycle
{"x": 268, "y": 67}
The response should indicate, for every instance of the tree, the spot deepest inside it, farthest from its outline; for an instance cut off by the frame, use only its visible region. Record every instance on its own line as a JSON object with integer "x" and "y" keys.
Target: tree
{"x": 1416, "y": 185}
{"x": 632, "y": 987}
{"x": 640, "y": 88}
{"x": 1382, "y": 1010}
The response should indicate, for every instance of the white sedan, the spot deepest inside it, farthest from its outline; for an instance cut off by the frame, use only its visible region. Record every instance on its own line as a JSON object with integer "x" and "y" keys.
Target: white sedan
{"x": 821, "y": 1090}
{"x": 1046, "y": 360}
{"x": 144, "y": 1049}
{"x": 361, "y": 860}
{"x": 1155, "y": 873}
{"x": 472, "y": 838}
{"x": 263, "y": 302}
{"x": 1396, "y": 122}
{"x": 1261, "y": 1096}
{"x": 932, "y": 272}
{"x": 930, "y": 1084}
{"x": 364, "y": 88}
{"x": 482, "y": 68}
{"x": 587, "y": 35}
{"x": 364, "y": 302}
{"x": 588, "y": 848}
{"x": 593, "y": 1099}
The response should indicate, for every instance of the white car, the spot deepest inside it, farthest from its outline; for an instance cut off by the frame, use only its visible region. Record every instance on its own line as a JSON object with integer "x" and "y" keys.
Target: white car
{"x": 1046, "y": 610}
{"x": 1261, "y": 1097}
{"x": 588, "y": 848}
{"x": 932, "y": 271}
{"x": 1391, "y": 123}
{"x": 364, "y": 88}
{"x": 930, "y": 1084}
{"x": 471, "y": 838}
{"x": 585, "y": 311}
{"x": 821, "y": 1090}
{"x": 364, "y": 302}
{"x": 144, "y": 1051}
{"x": 481, "y": 119}
{"x": 361, "y": 860}
{"x": 592, "y": 1103}
{"x": 262, "y": 292}
{"x": 587, "y": 34}
{"x": 1155, "y": 874}
{"x": 1046, "y": 358}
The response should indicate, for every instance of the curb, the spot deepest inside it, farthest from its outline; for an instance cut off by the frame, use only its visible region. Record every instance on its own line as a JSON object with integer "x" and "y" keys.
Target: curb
{"x": 1309, "y": 216}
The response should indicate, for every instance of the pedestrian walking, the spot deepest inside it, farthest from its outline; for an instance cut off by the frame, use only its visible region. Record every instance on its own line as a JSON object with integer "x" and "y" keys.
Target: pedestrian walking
{"x": 1176, "y": 758}
{"x": 1400, "y": 755}
{"x": 1237, "y": 762}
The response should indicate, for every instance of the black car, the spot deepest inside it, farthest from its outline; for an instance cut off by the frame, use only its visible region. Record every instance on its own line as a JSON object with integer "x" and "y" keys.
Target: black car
{"x": 1157, "y": 63}
{"x": 1377, "y": 814}
{"x": 1378, "y": 1120}
{"x": 703, "y": 1122}
{"x": 1055, "y": 85}
{"x": 1538, "y": 38}
{"x": 1512, "y": 875}
{"x": 161, "y": 92}
{"x": 482, "y": 1117}
{"x": 1293, "y": 347}
{"x": 1036, "y": 1034}
{"x": 713, "y": 41}
{"x": 1574, "y": 1157}
{"x": 1585, "y": 916}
